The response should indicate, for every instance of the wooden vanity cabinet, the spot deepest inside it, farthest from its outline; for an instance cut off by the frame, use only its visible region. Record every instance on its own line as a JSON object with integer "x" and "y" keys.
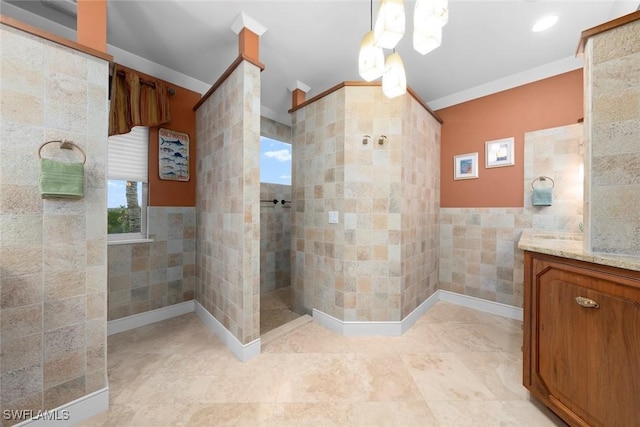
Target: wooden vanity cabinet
{"x": 582, "y": 340}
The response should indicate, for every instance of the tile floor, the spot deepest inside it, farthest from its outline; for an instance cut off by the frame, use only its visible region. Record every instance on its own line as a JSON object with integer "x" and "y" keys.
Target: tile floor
{"x": 275, "y": 309}
{"x": 454, "y": 367}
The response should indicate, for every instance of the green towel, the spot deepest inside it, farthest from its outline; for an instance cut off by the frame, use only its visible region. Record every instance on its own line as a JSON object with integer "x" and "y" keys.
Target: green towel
{"x": 61, "y": 179}
{"x": 542, "y": 196}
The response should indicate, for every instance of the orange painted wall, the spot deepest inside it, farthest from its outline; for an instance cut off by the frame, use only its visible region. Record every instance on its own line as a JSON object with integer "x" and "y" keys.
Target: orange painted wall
{"x": 183, "y": 119}
{"x": 547, "y": 103}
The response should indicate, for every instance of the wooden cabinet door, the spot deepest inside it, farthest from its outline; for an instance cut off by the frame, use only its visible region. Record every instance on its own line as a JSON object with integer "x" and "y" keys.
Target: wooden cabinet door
{"x": 586, "y": 360}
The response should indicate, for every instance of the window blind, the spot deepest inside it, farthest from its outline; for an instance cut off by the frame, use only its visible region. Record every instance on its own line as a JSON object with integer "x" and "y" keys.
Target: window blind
{"x": 128, "y": 155}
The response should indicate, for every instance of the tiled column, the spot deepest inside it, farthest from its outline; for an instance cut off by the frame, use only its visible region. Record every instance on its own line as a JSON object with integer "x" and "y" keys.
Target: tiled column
{"x": 228, "y": 195}
{"x": 53, "y": 268}
{"x": 612, "y": 136}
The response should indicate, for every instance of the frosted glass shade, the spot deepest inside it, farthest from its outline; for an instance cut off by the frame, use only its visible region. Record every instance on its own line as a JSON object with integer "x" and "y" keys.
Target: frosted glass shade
{"x": 426, "y": 41}
{"x": 394, "y": 80}
{"x": 429, "y": 14}
{"x": 389, "y": 27}
{"x": 370, "y": 59}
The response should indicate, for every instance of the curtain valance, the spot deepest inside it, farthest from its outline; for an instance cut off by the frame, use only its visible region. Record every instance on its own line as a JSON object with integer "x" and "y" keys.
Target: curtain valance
{"x": 136, "y": 102}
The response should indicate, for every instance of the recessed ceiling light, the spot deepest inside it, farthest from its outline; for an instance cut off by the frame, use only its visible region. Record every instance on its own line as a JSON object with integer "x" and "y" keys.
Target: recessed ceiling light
{"x": 544, "y": 23}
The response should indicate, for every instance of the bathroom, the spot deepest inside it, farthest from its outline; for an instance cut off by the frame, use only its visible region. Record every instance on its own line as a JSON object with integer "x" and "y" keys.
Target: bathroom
{"x": 50, "y": 239}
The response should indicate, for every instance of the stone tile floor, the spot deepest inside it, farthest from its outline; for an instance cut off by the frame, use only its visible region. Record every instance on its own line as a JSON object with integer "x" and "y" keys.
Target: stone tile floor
{"x": 275, "y": 309}
{"x": 454, "y": 367}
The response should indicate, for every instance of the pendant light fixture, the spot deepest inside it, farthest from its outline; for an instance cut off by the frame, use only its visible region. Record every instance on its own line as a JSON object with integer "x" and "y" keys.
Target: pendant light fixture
{"x": 394, "y": 80}
{"x": 389, "y": 27}
{"x": 428, "y": 19}
{"x": 371, "y": 57}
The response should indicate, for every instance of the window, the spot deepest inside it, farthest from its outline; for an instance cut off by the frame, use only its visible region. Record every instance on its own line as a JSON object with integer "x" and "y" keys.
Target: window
{"x": 127, "y": 173}
{"x": 275, "y": 161}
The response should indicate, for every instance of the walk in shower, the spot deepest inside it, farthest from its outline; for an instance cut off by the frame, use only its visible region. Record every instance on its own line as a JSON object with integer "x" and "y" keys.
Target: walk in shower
{"x": 275, "y": 235}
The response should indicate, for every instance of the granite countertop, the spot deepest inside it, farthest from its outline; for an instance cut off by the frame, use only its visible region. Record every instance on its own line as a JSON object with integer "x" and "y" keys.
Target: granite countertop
{"x": 570, "y": 245}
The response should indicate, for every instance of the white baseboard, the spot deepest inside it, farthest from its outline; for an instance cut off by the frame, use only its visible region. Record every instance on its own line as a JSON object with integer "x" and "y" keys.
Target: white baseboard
{"x": 480, "y": 304}
{"x": 356, "y": 328}
{"x": 148, "y": 317}
{"x": 399, "y": 328}
{"x": 71, "y": 413}
{"x": 243, "y": 352}
{"x": 413, "y": 317}
{"x": 391, "y": 329}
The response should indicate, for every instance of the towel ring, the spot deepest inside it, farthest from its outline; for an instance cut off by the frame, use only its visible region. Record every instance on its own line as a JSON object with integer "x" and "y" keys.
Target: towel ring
{"x": 66, "y": 145}
{"x": 543, "y": 178}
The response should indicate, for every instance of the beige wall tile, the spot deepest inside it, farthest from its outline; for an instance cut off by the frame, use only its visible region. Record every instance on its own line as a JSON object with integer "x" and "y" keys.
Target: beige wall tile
{"x": 24, "y": 228}
{"x": 97, "y": 251}
{"x": 20, "y": 199}
{"x": 21, "y": 383}
{"x": 64, "y": 312}
{"x": 29, "y": 403}
{"x": 63, "y": 393}
{"x": 62, "y": 341}
{"x": 63, "y": 369}
{"x": 95, "y": 381}
{"x": 19, "y": 291}
{"x": 614, "y": 44}
{"x": 21, "y": 352}
{"x": 21, "y": 321}
{"x": 96, "y": 306}
{"x": 20, "y": 260}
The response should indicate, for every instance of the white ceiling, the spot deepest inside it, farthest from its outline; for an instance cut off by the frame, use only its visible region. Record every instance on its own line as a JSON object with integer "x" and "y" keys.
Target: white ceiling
{"x": 487, "y": 45}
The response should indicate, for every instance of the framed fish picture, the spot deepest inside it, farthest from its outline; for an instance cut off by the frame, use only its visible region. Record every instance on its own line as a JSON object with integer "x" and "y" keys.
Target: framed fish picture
{"x": 173, "y": 154}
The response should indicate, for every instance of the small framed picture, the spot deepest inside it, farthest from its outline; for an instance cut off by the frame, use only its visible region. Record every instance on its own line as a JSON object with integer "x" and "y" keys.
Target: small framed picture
{"x": 465, "y": 166}
{"x": 499, "y": 153}
{"x": 173, "y": 155}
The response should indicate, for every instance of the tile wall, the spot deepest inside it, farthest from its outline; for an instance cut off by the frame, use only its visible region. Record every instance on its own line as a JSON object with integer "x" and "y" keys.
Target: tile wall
{"x": 478, "y": 246}
{"x": 420, "y": 205}
{"x": 227, "y": 203}
{"x": 275, "y": 130}
{"x": 372, "y": 206}
{"x": 53, "y": 274}
{"x": 275, "y": 237}
{"x": 318, "y": 186}
{"x": 148, "y": 276}
{"x": 365, "y": 267}
{"x": 612, "y": 160}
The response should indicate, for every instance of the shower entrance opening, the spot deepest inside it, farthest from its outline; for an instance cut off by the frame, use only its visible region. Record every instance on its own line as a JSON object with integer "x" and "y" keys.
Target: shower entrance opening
{"x": 275, "y": 234}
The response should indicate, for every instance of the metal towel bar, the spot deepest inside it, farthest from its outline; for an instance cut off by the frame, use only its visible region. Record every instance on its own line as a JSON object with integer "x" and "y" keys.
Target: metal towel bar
{"x": 543, "y": 178}
{"x": 66, "y": 145}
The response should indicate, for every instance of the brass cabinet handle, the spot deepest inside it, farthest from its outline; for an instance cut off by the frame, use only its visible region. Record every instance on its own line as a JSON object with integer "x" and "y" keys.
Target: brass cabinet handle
{"x": 587, "y": 302}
